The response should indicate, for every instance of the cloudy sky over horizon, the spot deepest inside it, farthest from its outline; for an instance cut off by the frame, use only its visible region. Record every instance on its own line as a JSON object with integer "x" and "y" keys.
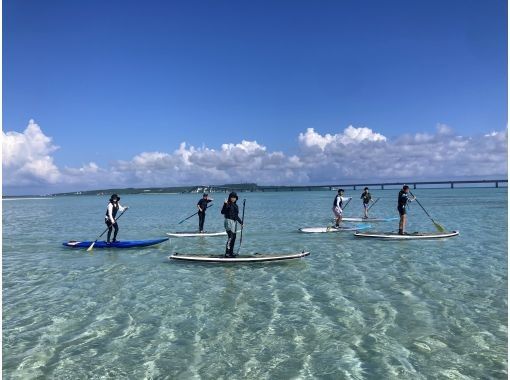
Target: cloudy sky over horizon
{"x": 163, "y": 93}
{"x": 352, "y": 154}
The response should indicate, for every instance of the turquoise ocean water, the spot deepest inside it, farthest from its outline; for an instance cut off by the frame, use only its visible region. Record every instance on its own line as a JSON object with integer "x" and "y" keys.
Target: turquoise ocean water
{"x": 354, "y": 309}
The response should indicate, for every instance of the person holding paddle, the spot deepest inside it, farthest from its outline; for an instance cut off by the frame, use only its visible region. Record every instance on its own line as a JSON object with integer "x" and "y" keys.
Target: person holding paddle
{"x": 111, "y": 211}
{"x": 231, "y": 212}
{"x": 338, "y": 205}
{"x": 202, "y": 206}
{"x": 367, "y": 198}
{"x": 403, "y": 199}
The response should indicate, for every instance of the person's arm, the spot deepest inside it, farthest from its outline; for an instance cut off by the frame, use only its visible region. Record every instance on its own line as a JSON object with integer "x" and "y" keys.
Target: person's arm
{"x": 198, "y": 206}
{"x": 121, "y": 208}
{"x": 224, "y": 208}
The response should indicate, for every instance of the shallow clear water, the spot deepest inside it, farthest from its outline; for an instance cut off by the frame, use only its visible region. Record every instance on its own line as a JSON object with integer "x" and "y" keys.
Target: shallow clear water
{"x": 354, "y": 308}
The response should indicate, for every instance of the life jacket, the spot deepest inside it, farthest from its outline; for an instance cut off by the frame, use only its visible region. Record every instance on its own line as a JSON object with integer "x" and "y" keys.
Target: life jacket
{"x": 402, "y": 199}
{"x": 114, "y": 210}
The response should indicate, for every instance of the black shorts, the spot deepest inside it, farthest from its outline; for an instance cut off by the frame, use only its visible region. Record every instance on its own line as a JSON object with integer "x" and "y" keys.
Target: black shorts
{"x": 402, "y": 210}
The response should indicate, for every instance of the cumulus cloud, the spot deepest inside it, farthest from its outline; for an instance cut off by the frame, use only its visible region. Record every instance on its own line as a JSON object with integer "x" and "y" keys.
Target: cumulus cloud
{"x": 27, "y": 162}
{"x": 355, "y": 154}
{"x": 26, "y": 157}
{"x": 418, "y": 156}
{"x": 246, "y": 161}
{"x": 311, "y": 139}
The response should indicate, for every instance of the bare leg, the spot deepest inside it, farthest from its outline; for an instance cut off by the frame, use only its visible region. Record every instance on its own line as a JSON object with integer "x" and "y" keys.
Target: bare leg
{"x": 402, "y": 224}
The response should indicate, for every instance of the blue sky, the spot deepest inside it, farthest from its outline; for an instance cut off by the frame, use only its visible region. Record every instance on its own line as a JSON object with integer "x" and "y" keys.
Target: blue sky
{"x": 112, "y": 84}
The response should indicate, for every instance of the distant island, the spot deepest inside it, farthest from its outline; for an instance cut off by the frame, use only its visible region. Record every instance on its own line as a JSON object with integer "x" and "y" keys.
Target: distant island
{"x": 253, "y": 187}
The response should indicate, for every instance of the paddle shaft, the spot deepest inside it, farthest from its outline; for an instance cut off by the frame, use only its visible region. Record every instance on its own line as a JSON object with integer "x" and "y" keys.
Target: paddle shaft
{"x": 193, "y": 214}
{"x": 242, "y": 225}
{"x": 373, "y": 204}
{"x": 423, "y": 208}
{"x": 343, "y": 208}
{"x": 438, "y": 226}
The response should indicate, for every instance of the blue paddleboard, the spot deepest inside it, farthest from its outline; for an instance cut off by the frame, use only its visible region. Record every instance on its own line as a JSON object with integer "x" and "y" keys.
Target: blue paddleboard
{"x": 118, "y": 244}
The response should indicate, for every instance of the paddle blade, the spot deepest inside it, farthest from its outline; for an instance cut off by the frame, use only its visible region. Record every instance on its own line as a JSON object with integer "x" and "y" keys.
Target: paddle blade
{"x": 439, "y": 227}
{"x": 91, "y": 246}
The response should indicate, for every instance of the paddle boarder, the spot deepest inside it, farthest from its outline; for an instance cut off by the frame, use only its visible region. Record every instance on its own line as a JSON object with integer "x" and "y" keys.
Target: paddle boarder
{"x": 111, "y": 211}
{"x": 403, "y": 199}
{"x": 202, "y": 206}
{"x": 338, "y": 203}
{"x": 367, "y": 198}
{"x": 231, "y": 212}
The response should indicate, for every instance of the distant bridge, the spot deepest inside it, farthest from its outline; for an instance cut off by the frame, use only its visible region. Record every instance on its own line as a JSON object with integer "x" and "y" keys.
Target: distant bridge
{"x": 354, "y": 186}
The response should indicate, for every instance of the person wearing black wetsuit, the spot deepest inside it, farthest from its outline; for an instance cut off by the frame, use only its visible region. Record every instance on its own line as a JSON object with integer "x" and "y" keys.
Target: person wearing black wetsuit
{"x": 202, "y": 205}
{"x": 403, "y": 199}
{"x": 367, "y": 198}
{"x": 230, "y": 211}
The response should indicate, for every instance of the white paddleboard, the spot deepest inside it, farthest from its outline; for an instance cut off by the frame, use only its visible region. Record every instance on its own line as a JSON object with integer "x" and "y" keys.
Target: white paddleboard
{"x": 313, "y": 230}
{"x": 237, "y": 259}
{"x": 194, "y": 234}
{"x": 407, "y": 236}
{"x": 369, "y": 220}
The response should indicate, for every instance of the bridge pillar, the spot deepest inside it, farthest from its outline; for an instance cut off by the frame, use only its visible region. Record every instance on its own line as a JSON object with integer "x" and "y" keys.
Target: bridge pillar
{"x": 382, "y": 187}
{"x": 414, "y": 186}
{"x": 354, "y": 187}
{"x": 451, "y": 185}
{"x": 497, "y": 184}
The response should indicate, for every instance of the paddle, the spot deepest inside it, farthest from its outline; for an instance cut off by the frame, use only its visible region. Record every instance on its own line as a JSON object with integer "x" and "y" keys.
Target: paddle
{"x": 439, "y": 227}
{"x": 343, "y": 208}
{"x": 194, "y": 214}
{"x": 373, "y": 204}
{"x": 92, "y": 245}
{"x": 242, "y": 225}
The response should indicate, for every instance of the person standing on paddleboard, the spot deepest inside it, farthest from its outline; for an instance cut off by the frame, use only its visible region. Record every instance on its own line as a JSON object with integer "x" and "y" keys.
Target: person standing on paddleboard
{"x": 111, "y": 211}
{"x": 231, "y": 212}
{"x": 202, "y": 206}
{"x": 338, "y": 204}
{"x": 403, "y": 199}
{"x": 367, "y": 198}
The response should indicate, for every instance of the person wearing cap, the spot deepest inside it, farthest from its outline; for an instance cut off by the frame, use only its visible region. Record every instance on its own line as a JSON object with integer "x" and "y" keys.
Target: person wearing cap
{"x": 367, "y": 198}
{"x": 403, "y": 199}
{"x": 202, "y": 206}
{"x": 230, "y": 211}
{"x": 111, "y": 212}
{"x": 338, "y": 205}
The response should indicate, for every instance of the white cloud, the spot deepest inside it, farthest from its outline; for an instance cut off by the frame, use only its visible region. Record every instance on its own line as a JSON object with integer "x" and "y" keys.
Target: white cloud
{"x": 356, "y": 154}
{"x": 351, "y": 135}
{"x": 26, "y": 157}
